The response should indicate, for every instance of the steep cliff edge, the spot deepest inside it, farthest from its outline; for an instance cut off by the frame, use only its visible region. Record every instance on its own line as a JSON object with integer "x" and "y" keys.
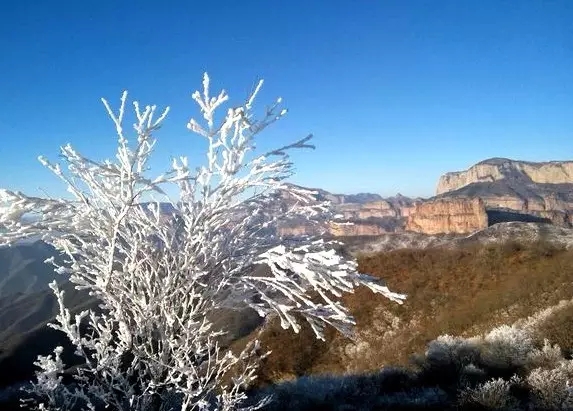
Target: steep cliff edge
{"x": 494, "y": 169}
{"x": 448, "y": 216}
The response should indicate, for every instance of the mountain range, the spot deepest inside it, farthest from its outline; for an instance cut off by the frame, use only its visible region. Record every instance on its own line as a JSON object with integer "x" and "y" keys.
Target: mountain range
{"x": 492, "y": 191}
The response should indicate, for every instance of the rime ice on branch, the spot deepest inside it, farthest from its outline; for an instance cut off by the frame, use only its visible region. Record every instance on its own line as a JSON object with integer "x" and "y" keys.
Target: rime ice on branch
{"x": 160, "y": 274}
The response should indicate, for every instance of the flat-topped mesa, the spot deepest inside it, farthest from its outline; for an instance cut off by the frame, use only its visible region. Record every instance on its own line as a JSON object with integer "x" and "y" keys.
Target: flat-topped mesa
{"x": 453, "y": 215}
{"x": 551, "y": 172}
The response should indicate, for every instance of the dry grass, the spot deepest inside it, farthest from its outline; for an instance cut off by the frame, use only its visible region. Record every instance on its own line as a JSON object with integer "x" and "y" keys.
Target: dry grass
{"x": 559, "y": 330}
{"x": 454, "y": 292}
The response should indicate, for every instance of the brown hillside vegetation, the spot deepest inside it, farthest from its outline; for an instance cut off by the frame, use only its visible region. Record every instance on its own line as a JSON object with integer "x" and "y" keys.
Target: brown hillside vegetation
{"x": 460, "y": 291}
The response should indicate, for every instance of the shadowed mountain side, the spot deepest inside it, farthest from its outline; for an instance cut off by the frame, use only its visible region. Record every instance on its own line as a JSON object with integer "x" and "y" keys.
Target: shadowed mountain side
{"x": 24, "y": 333}
{"x": 23, "y": 271}
{"x": 502, "y": 216}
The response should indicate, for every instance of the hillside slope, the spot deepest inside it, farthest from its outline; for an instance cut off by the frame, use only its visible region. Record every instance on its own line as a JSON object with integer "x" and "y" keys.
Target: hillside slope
{"x": 22, "y": 268}
{"x": 452, "y": 290}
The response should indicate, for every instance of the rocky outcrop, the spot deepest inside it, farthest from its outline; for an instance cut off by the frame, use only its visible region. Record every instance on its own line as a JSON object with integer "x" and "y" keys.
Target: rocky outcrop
{"x": 558, "y": 217}
{"x": 516, "y": 190}
{"x": 553, "y": 172}
{"x": 448, "y": 216}
{"x": 297, "y": 230}
{"x": 518, "y": 231}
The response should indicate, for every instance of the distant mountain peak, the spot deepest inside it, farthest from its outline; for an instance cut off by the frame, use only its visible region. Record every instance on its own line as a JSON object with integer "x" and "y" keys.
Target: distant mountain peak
{"x": 496, "y": 161}
{"x": 517, "y": 173}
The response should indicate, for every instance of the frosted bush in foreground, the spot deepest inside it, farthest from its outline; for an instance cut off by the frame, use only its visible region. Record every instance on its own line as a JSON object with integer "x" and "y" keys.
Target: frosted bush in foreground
{"x": 160, "y": 274}
{"x": 541, "y": 372}
{"x": 552, "y": 387}
{"x": 492, "y": 394}
{"x": 449, "y": 350}
{"x": 507, "y": 346}
{"x": 548, "y": 356}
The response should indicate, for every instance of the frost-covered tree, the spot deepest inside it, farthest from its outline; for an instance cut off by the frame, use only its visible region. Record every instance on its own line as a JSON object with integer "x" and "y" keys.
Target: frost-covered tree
{"x": 161, "y": 264}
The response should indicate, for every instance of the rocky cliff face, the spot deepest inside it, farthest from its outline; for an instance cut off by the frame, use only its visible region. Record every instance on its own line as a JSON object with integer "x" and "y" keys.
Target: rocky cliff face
{"x": 448, "y": 216}
{"x": 553, "y": 172}
{"x": 524, "y": 191}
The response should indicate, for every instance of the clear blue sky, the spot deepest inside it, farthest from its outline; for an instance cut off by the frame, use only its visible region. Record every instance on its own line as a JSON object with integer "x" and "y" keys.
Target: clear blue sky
{"x": 396, "y": 92}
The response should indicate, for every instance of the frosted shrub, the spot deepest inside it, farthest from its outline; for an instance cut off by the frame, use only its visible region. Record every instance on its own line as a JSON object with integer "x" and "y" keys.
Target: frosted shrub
{"x": 548, "y": 356}
{"x": 160, "y": 272}
{"x": 471, "y": 374}
{"x": 551, "y": 387}
{"x": 449, "y": 350}
{"x": 506, "y": 347}
{"x": 493, "y": 394}
{"x": 50, "y": 381}
{"x": 534, "y": 321}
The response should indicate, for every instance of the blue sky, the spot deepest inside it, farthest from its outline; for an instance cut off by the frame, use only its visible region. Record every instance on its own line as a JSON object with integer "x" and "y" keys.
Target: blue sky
{"x": 395, "y": 92}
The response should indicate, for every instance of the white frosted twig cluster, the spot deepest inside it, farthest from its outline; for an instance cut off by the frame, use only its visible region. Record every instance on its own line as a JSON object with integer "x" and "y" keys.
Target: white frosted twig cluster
{"x": 161, "y": 266}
